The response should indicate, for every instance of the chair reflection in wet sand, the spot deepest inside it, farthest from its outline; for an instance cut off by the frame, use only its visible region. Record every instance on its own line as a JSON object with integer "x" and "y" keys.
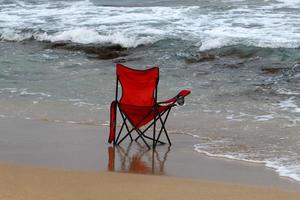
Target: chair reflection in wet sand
{"x": 140, "y": 160}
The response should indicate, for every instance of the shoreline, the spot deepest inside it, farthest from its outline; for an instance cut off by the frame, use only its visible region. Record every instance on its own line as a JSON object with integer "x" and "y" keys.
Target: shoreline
{"x": 226, "y": 122}
{"x": 84, "y": 148}
{"x": 263, "y": 163}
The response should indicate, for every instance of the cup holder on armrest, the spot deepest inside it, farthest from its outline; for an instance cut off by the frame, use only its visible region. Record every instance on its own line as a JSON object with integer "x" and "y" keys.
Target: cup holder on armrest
{"x": 180, "y": 100}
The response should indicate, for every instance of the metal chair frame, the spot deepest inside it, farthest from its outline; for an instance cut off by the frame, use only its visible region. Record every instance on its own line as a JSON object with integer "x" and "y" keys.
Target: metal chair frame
{"x": 141, "y": 134}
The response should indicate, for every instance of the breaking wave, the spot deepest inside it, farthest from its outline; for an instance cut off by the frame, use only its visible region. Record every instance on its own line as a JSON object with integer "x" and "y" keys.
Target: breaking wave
{"x": 85, "y": 22}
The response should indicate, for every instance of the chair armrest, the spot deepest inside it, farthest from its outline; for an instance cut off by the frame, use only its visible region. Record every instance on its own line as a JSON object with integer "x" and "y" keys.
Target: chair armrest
{"x": 180, "y": 95}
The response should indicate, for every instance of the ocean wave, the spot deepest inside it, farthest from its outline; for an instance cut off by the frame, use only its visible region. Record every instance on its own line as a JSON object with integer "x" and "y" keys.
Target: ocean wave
{"x": 78, "y": 35}
{"x": 286, "y": 4}
{"x": 192, "y": 55}
{"x": 85, "y": 22}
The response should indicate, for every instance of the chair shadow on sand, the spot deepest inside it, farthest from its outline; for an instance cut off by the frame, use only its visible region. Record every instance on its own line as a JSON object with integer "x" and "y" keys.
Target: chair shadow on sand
{"x": 136, "y": 159}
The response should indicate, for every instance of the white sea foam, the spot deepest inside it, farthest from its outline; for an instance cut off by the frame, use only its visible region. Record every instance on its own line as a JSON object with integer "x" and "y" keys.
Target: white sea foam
{"x": 11, "y": 35}
{"x": 289, "y": 104}
{"x": 239, "y": 157}
{"x": 80, "y": 104}
{"x": 237, "y": 117}
{"x": 79, "y": 35}
{"x": 264, "y": 117}
{"x": 291, "y": 170}
{"x": 280, "y": 166}
{"x": 26, "y": 93}
{"x": 23, "y": 92}
{"x": 84, "y": 22}
{"x": 287, "y": 4}
{"x": 243, "y": 117}
{"x": 286, "y": 92}
{"x": 10, "y": 90}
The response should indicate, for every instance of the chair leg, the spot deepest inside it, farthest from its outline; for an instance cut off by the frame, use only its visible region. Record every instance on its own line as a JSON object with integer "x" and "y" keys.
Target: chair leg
{"x": 163, "y": 122}
{"x": 141, "y": 133}
{"x": 123, "y": 138}
{"x": 150, "y": 127}
{"x": 134, "y": 128}
{"x": 120, "y": 131}
{"x": 159, "y": 116}
{"x": 160, "y": 131}
{"x": 145, "y": 142}
{"x": 124, "y": 118}
{"x": 154, "y": 131}
{"x": 150, "y": 138}
{"x": 126, "y": 126}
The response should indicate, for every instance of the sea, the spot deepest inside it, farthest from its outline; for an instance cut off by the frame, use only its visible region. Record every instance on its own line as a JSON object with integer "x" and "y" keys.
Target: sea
{"x": 240, "y": 59}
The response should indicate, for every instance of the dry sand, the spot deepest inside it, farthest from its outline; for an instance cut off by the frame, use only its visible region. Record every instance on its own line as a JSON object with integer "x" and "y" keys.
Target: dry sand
{"x": 28, "y": 183}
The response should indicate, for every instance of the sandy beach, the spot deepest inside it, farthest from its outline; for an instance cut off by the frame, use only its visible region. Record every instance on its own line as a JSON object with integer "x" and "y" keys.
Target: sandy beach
{"x": 236, "y": 137}
{"x": 46, "y": 160}
{"x": 34, "y": 183}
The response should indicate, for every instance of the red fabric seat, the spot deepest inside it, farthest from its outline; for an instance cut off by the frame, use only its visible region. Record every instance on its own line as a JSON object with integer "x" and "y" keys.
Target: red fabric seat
{"x": 138, "y": 86}
{"x": 139, "y": 97}
{"x": 141, "y": 115}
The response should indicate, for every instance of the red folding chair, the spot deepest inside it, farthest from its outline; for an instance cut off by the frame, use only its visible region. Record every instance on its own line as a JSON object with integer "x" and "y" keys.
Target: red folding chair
{"x": 138, "y": 105}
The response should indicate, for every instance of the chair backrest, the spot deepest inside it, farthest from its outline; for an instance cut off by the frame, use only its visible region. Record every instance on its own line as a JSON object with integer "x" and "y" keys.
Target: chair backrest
{"x": 138, "y": 86}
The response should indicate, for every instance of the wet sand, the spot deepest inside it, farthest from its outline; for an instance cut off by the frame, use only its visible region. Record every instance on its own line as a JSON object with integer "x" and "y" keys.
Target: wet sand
{"x": 46, "y": 160}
